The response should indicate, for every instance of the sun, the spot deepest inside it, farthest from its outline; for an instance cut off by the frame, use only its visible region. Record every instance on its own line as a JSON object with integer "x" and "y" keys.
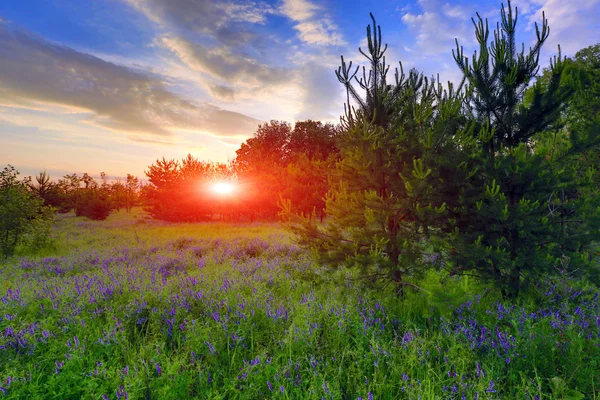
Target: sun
{"x": 223, "y": 187}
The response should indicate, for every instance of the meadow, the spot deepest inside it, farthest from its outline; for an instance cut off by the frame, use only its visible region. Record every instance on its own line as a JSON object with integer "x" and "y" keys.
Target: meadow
{"x": 131, "y": 308}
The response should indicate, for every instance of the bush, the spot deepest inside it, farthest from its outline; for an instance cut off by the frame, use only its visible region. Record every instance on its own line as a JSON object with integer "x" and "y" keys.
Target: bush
{"x": 24, "y": 220}
{"x": 94, "y": 207}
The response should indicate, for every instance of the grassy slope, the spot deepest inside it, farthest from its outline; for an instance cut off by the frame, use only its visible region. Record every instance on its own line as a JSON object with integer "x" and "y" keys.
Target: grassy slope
{"x": 160, "y": 310}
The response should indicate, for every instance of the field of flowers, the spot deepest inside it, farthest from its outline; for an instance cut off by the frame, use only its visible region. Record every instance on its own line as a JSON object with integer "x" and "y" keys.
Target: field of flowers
{"x": 136, "y": 309}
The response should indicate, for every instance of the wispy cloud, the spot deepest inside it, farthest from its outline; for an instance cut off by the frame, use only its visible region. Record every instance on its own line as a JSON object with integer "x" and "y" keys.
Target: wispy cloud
{"x": 228, "y": 73}
{"x": 572, "y": 25}
{"x": 438, "y": 25}
{"x": 314, "y": 26}
{"x": 214, "y": 18}
{"x": 36, "y": 72}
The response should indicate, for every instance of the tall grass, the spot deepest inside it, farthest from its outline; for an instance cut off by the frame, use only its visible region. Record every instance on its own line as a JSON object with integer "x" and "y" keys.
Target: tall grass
{"x": 132, "y": 308}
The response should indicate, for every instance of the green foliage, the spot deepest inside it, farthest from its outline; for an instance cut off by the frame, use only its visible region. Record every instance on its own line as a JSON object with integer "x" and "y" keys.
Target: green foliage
{"x": 396, "y": 146}
{"x": 94, "y": 205}
{"x": 178, "y": 311}
{"x": 523, "y": 213}
{"x": 24, "y": 220}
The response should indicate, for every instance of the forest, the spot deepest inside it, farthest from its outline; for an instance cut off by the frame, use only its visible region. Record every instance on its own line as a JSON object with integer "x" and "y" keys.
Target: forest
{"x": 440, "y": 241}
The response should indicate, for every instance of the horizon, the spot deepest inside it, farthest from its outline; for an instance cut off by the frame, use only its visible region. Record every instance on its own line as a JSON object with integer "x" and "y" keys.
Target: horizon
{"x": 113, "y": 85}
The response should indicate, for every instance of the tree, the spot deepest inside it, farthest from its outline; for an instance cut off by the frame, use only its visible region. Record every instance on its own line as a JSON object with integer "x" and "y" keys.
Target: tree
{"x": 518, "y": 218}
{"x": 24, "y": 220}
{"x": 277, "y": 163}
{"x": 178, "y": 191}
{"x": 397, "y": 142}
{"x": 132, "y": 186}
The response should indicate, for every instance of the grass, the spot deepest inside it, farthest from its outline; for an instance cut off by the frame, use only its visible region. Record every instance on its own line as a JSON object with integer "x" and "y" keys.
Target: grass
{"x": 139, "y": 309}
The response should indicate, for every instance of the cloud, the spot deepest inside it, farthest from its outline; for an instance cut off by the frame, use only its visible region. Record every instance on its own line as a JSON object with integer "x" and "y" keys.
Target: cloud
{"x": 313, "y": 26}
{"x": 222, "y": 63}
{"x": 35, "y": 71}
{"x": 572, "y": 26}
{"x": 437, "y": 27}
{"x": 323, "y": 96}
{"x": 210, "y": 17}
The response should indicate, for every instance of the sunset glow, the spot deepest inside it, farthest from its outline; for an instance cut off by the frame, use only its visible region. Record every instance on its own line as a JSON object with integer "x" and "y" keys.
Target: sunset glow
{"x": 223, "y": 188}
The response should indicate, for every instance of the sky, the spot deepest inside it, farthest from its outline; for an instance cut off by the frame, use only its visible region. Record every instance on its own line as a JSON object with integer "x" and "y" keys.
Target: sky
{"x": 112, "y": 85}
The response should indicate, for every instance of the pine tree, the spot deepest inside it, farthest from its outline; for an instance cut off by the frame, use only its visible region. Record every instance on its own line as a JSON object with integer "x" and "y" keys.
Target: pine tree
{"x": 517, "y": 219}
{"x": 397, "y": 143}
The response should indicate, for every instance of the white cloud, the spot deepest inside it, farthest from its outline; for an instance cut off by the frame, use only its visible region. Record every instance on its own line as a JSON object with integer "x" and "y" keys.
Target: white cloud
{"x": 572, "y": 25}
{"x": 437, "y": 27}
{"x": 39, "y": 73}
{"x": 313, "y": 26}
{"x": 236, "y": 72}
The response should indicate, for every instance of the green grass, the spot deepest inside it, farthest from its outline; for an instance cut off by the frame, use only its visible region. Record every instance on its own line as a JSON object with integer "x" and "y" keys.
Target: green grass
{"x": 219, "y": 311}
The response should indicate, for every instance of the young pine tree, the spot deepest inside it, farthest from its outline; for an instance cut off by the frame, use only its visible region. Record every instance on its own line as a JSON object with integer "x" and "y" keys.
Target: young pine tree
{"x": 519, "y": 218}
{"x": 398, "y": 147}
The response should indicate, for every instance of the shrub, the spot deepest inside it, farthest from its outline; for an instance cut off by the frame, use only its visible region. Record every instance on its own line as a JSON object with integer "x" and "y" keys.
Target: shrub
{"x": 24, "y": 220}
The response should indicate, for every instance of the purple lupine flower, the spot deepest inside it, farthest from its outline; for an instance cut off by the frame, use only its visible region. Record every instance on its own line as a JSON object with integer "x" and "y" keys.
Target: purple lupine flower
{"x": 59, "y": 366}
{"x": 158, "y": 370}
{"x": 325, "y": 388}
{"x": 121, "y": 393}
{"x": 269, "y": 386}
{"x": 369, "y": 396}
{"x": 76, "y": 340}
{"x": 216, "y": 316}
{"x": 491, "y": 389}
{"x": 281, "y": 389}
{"x": 480, "y": 372}
{"x": 210, "y": 347}
{"x": 105, "y": 397}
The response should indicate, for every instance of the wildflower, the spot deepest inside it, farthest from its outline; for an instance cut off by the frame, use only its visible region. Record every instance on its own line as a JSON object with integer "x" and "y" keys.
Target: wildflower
{"x": 121, "y": 393}
{"x": 269, "y": 386}
{"x": 491, "y": 389}
{"x": 210, "y": 347}
{"x": 281, "y": 389}
{"x": 59, "y": 366}
{"x": 158, "y": 370}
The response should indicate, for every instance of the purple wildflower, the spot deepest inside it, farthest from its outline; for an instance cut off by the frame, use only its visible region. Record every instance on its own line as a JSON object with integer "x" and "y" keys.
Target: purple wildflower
{"x": 210, "y": 347}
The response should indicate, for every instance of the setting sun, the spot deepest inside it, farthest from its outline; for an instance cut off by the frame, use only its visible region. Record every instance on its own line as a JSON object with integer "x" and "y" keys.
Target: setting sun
{"x": 223, "y": 187}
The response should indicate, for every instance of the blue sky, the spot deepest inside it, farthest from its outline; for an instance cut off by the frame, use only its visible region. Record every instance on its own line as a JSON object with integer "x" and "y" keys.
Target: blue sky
{"x": 111, "y": 85}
